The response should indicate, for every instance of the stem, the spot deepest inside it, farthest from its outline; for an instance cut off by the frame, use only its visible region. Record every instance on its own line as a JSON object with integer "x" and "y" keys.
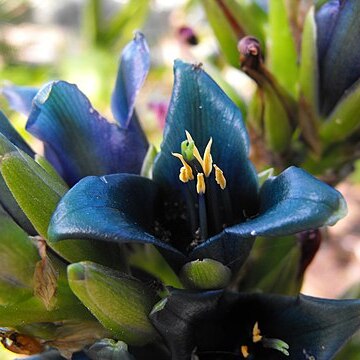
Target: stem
{"x": 213, "y": 197}
{"x": 238, "y": 30}
{"x": 227, "y": 206}
{"x": 202, "y": 217}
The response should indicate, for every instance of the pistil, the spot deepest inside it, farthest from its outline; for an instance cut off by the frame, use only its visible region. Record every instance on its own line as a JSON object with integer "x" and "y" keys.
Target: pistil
{"x": 194, "y": 163}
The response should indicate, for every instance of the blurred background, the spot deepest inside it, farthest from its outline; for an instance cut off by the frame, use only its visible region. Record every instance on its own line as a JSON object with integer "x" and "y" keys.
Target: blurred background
{"x": 80, "y": 41}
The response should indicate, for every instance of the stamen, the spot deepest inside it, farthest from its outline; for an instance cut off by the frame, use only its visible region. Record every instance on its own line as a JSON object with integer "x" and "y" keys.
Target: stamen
{"x": 207, "y": 161}
{"x": 219, "y": 177}
{"x": 256, "y": 333}
{"x": 200, "y": 184}
{"x": 245, "y": 351}
{"x": 186, "y": 172}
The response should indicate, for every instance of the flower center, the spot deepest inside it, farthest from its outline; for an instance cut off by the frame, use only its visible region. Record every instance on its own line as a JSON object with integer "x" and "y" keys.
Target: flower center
{"x": 198, "y": 169}
{"x": 268, "y": 343}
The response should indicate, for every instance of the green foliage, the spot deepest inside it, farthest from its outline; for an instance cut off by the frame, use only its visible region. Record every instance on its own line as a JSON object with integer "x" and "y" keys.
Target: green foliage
{"x": 282, "y": 55}
{"x": 119, "y": 302}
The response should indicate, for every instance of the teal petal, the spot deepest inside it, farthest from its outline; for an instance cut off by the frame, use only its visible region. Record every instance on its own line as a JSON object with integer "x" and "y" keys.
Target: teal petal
{"x": 20, "y": 97}
{"x": 220, "y": 322}
{"x": 199, "y": 106}
{"x": 78, "y": 140}
{"x": 118, "y": 208}
{"x": 341, "y": 68}
{"x": 226, "y": 247}
{"x": 133, "y": 69}
{"x": 292, "y": 202}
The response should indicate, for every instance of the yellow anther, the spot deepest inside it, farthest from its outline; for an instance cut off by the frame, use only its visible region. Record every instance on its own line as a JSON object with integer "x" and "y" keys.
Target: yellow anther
{"x": 256, "y": 333}
{"x": 186, "y": 173}
{"x": 245, "y": 351}
{"x": 200, "y": 184}
{"x": 196, "y": 152}
{"x": 219, "y": 177}
{"x": 207, "y": 160}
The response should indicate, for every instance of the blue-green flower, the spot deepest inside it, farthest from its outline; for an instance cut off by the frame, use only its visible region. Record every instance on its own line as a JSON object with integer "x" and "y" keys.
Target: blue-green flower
{"x": 215, "y": 207}
{"x": 77, "y": 140}
{"x": 227, "y": 325}
{"x": 338, "y": 31}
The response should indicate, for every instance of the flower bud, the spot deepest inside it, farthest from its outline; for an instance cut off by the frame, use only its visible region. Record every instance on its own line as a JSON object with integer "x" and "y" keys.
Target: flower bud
{"x": 205, "y": 274}
{"x": 187, "y": 35}
{"x": 108, "y": 349}
{"x": 250, "y": 53}
{"x": 121, "y": 303}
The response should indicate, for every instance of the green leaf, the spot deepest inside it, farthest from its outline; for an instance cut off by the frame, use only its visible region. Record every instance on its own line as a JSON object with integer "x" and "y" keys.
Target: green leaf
{"x": 38, "y": 192}
{"x": 205, "y": 274}
{"x": 264, "y": 175}
{"x": 91, "y": 21}
{"x": 224, "y": 33}
{"x": 344, "y": 119}
{"x": 50, "y": 169}
{"x": 66, "y": 306}
{"x": 122, "y": 25}
{"x": 147, "y": 258}
{"x": 309, "y": 72}
{"x": 121, "y": 303}
{"x": 309, "y": 79}
{"x": 146, "y": 169}
{"x": 282, "y": 55}
{"x": 231, "y": 20}
{"x": 18, "y": 256}
{"x": 277, "y": 273}
{"x": 34, "y": 189}
{"x": 278, "y": 130}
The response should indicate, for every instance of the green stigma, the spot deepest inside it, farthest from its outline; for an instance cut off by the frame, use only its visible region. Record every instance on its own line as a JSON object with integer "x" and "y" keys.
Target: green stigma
{"x": 276, "y": 344}
{"x": 187, "y": 150}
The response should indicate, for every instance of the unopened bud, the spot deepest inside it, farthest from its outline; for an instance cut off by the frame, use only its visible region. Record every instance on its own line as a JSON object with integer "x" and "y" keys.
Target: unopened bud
{"x": 121, "y": 303}
{"x": 205, "y": 274}
{"x": 187, "y": 35}
{"x": 250, "y": 52}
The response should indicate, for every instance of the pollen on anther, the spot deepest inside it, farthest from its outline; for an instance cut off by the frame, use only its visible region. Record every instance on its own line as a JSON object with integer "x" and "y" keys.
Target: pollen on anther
{"x": 186, "y": 173}
{"x": 256, "y": 333}
{"x": 200, "y": 184}
{"x": 245, "y": 351}
{"x": 219, "y": 177}
{"x": 207, "y": 161}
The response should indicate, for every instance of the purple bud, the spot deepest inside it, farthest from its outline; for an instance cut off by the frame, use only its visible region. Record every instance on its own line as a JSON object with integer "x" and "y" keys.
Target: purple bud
{"x": 250, "y": 52}
{"x": 187, "y": 35}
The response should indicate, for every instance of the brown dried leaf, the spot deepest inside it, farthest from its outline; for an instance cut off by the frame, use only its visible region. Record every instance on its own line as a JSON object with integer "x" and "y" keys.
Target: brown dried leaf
{"x": 45, "y": 279}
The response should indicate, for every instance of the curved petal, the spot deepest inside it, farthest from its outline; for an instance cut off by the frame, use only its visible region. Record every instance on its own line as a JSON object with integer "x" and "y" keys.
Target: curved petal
{"x": 229, "y": 248}
{"x": 177, "y": 316}
{"x": 326, "y": 18}
{"x": 20, "y": 97}
{"x": 292, "y": 202}
{"x": 133, "y": 68}
{"x": 199, "y": 106}
{"x": 118, "y": 208}
{"x": 220, "y": 322}
{"x": 341, "y": 68}
{"x": 78, "y": 140}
